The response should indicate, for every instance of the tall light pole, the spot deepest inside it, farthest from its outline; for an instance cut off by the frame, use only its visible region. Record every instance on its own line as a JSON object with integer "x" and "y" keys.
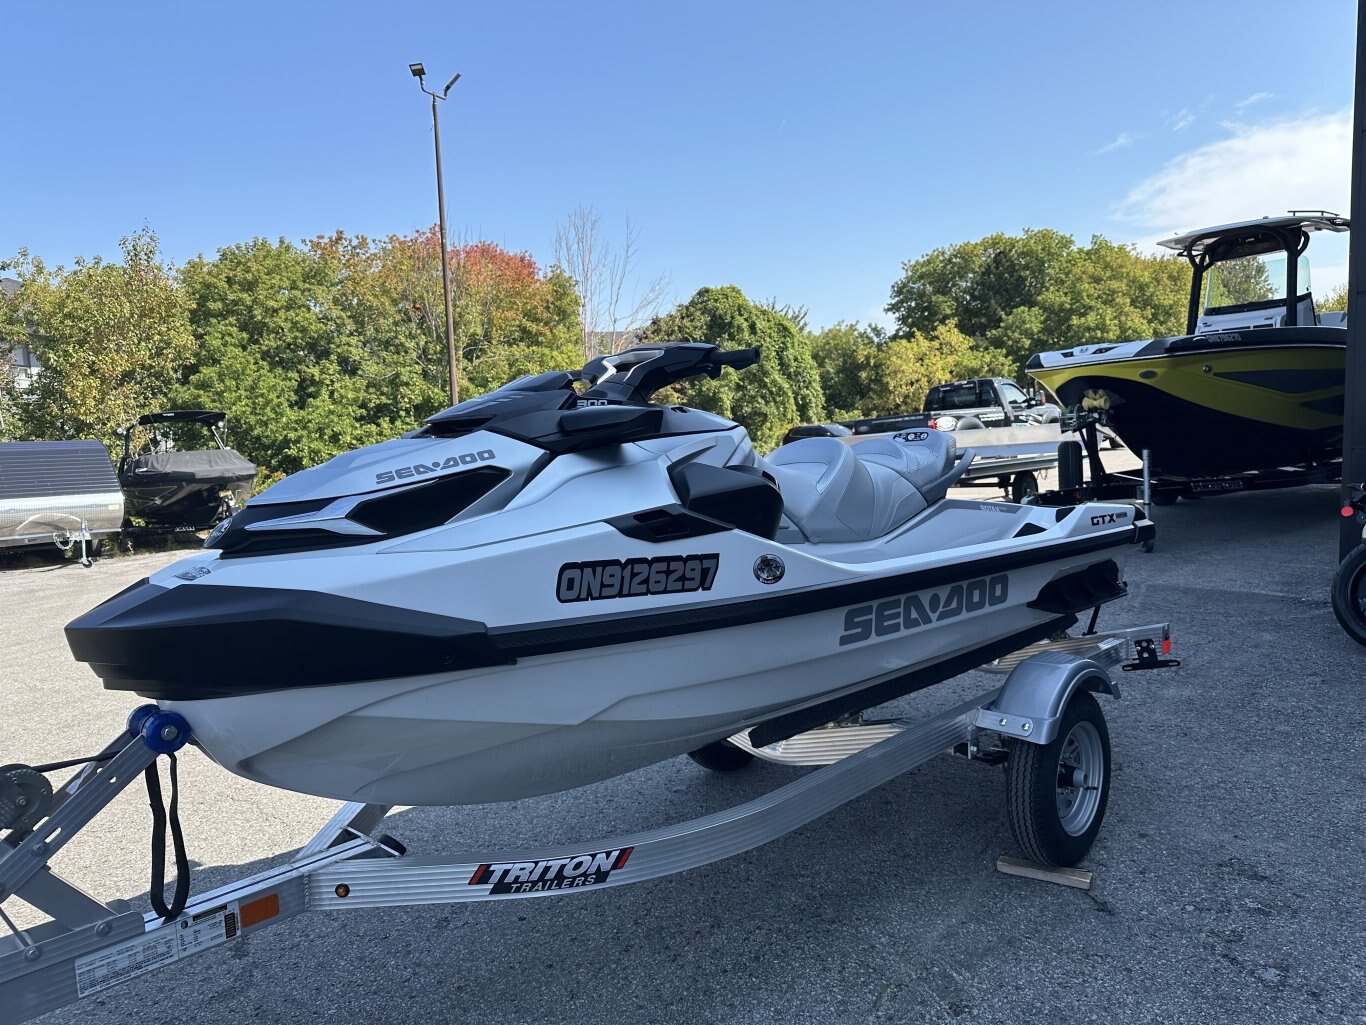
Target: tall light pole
{"x": 420, "y": 73}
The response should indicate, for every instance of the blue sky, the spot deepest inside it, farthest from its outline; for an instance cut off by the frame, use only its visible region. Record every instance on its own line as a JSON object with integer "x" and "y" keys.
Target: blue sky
{"x": 801, "y": 151}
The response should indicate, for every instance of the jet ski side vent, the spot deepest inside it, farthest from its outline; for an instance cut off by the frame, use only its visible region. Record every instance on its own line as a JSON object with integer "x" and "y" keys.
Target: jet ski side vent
{"x": 287, "y": 527}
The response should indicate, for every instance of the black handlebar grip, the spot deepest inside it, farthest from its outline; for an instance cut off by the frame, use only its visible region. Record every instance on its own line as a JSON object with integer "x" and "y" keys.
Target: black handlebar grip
{"x": 738, "y": 359}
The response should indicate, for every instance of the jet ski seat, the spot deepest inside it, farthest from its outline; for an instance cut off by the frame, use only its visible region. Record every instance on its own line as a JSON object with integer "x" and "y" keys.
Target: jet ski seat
{"x": 838, "y": 493}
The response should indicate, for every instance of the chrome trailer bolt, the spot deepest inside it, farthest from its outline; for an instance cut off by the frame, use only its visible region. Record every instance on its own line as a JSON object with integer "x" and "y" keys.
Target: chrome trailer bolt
{"x": 169, "y": 733}
{"x": 33, "y": 953}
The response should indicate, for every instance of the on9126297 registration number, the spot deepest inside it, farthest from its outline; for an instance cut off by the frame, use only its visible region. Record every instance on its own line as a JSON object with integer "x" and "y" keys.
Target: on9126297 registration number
{"x": 636, "y": 578}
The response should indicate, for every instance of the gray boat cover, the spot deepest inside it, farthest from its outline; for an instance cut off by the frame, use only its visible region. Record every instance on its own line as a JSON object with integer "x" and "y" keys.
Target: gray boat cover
{"x": 208, "y": 465}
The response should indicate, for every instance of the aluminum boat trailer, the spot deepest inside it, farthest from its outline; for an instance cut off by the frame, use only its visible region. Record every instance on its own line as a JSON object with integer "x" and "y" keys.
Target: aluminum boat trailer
{"x": 1043, "y": 723}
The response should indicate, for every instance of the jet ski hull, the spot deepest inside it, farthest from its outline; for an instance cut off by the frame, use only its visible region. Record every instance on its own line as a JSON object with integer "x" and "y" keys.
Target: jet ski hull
{"x": 580, "y": 694}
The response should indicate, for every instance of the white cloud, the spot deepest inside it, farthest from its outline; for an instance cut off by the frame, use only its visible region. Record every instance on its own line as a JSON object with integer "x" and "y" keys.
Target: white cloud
{"x": 1248, "y": 101}
{"x": 1258, "y": 170}
{"x": 1122, "y": 140}
{"x": 1181, "y": 120}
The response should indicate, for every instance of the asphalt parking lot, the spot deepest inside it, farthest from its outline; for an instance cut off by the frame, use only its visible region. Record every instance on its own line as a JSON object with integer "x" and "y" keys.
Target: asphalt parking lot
{"x": 1228, "y": 875}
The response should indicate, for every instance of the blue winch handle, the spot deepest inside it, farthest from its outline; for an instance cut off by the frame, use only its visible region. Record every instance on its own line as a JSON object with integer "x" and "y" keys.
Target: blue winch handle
{"x": 164, "y": 732}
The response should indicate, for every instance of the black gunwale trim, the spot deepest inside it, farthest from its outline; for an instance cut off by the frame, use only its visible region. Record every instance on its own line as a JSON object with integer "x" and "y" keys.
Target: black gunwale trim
{"x": 525, "y": 640}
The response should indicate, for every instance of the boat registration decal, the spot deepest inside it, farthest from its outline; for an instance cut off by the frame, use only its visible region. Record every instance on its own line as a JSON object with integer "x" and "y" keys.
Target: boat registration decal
{"x": 923, "y": 608}
{"x": 636, "y": 578}
{"x": 550, "y": 873}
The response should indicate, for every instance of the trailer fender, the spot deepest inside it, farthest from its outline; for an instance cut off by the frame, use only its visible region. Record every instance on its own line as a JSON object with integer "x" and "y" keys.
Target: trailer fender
{"x": 1031, "y": 702}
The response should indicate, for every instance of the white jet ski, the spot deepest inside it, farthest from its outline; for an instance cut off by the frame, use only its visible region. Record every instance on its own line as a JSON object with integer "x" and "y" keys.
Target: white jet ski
{"x": 559, "y": 582}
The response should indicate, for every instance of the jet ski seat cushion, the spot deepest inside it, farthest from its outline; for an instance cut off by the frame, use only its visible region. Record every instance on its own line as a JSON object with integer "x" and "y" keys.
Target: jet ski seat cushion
{"x": 932, "y": 463}
{"x": 832, "y": 495}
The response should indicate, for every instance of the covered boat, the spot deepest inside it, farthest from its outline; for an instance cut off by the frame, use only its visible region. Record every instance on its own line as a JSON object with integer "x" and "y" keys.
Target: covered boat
{"x": 172, "y": 486}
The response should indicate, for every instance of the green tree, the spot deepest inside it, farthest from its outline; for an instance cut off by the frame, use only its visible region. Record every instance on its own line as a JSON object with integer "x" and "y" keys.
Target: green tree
{"x": 316, "y": 349}
{"x": 1334, "y": 299}
{"x": 1039, "y": 291}
{"x": 842, "y": 354}
{"x": 111, "y": 338}
{"x": 976, "y": 284}
{"x": 278, "y": 353}
{"x": 782, "y": 390}
{"x": 1103, "y": 293}
{"x": 898, "y": 375}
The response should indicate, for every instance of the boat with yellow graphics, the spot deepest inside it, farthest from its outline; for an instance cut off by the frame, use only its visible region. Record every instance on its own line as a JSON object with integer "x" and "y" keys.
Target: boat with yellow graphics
{"x": 1256, "y": 382}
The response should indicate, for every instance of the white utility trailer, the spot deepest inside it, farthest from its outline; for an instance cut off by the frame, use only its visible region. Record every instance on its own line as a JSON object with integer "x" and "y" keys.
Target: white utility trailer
{"x": 58, "y": 492}
{"x": 1043, "y": 723}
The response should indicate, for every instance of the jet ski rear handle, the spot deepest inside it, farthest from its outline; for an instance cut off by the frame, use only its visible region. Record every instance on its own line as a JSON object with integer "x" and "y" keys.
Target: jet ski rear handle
{"x": 89, "y": 946}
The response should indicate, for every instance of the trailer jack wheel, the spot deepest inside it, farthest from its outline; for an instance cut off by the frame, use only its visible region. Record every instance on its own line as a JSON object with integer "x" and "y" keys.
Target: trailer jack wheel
{"x": 1349, "y": 594}
{"x": 1056, "y": 792}
{"x": 721, "y": 756}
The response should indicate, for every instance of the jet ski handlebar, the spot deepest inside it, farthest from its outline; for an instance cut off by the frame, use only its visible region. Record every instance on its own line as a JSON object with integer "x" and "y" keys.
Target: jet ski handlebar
{"x": 635, "y": 375}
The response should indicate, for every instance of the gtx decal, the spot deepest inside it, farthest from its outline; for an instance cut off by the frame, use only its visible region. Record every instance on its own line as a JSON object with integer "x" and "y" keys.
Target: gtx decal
{"x": 550, "y": 873}
{"x": 923, "y": 608}
{"x": 636, "y": 578}
{"x": 449, "y": 463}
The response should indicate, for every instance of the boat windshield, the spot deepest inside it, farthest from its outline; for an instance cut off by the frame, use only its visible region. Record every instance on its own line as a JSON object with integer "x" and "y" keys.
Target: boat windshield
{"x": 1250, "y": 280}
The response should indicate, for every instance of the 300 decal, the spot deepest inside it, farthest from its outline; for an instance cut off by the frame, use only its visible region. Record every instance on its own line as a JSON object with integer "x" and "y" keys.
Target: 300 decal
{"x": 636, "y": 578}
{"x": 923, "y": 608}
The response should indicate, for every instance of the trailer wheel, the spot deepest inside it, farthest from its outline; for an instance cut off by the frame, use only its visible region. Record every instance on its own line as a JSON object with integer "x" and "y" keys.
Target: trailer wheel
{"x": 1165, "y": 497}
{"x": 1022, "y": 485}
{"x": 721, "y": 756}
{"x": 1349, "y": 594}
{"x": 1056, "y": 792}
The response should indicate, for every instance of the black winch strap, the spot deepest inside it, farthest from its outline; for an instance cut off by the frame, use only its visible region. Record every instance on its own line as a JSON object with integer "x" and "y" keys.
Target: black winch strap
{"x": 160, "y": 816}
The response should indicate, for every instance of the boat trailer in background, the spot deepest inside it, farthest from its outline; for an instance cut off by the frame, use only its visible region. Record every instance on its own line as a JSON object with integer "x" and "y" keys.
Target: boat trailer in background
{"x": 1082, "y": 476}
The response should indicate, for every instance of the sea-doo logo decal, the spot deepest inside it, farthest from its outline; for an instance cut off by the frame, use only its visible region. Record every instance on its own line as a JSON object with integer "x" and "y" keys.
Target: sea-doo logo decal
{"x": 551, "y": 873}
{"x": 923, "y": 608}
{"x": 449, "y": 463}
{"x": 193, "y": 573}
{"x": 636, "y": 578}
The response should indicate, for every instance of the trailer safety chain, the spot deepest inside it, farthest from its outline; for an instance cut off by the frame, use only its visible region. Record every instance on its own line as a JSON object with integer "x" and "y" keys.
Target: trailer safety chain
{"x": 161, "y": 816}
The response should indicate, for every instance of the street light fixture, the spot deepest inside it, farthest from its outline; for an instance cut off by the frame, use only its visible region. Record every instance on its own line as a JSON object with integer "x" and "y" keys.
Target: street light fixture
{"x": 420, "y": 73}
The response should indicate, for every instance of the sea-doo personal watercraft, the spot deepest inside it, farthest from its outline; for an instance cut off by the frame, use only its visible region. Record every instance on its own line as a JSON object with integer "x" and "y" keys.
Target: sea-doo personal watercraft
{"x": 166, "y": 484}
{"x": 559, "y": 581}
{"x": 1255, "y": 383}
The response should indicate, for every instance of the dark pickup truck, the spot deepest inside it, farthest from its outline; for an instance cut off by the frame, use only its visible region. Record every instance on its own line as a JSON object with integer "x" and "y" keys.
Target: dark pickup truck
{"x": 959, "y": 405}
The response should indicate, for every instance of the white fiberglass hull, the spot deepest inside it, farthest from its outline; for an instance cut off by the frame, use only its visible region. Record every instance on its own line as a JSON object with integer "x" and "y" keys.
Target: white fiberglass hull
{"x": 559, "y": 721}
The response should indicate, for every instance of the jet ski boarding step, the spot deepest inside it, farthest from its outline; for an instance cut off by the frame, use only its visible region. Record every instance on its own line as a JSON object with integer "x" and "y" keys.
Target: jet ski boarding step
{"x": 1044, "y": 717}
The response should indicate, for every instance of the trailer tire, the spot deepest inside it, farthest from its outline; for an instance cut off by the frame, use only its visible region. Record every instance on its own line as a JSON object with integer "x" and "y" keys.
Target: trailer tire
{"x": 1053, "y": 824}
{"x": 1349, "y": 594}
{"x": 721, "y": 756}
{"x": 1165, "y": 497}
{"x": 1022, "y": 485}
